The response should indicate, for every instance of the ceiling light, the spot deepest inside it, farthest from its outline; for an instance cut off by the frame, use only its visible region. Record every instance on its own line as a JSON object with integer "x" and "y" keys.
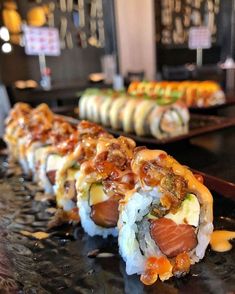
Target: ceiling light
{"x": 4, "y": 34}
{"x": 6, "y": 48}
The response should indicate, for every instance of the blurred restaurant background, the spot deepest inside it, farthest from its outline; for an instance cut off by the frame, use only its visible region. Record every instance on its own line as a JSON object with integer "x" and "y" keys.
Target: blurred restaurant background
{"x": 51, "y": 51}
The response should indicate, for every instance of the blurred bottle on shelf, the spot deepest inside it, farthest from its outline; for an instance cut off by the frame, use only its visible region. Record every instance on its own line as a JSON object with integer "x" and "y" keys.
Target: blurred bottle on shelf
{"x": 109, "y": 67}
{"x": 46, "y": 79}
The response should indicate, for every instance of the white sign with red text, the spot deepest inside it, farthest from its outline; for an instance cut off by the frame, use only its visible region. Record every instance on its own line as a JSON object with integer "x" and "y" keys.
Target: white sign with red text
{"x": 199, "y": 38}
{"x": 41, "y": 41}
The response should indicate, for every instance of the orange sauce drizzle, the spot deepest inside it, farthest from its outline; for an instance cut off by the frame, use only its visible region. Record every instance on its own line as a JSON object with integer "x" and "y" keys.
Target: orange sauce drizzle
{"x": 220, "y": 240}
{"x": 36, "y": 235}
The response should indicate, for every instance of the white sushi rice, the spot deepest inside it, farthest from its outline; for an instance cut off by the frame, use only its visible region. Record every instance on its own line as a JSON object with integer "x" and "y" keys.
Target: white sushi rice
{"x": 43, "y": 179}
{"x": 203, "y": 237}
{"x": 22, "y": 156}
{"x": 30, "y": 155}
{"x": 66, "y": 204}
{"x": 129, "y": 246}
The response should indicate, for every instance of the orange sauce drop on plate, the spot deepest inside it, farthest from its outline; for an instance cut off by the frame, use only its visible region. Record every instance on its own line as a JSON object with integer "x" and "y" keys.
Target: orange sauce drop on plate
{"x": 220, "y": 240}
{"x": 36, "y": 235}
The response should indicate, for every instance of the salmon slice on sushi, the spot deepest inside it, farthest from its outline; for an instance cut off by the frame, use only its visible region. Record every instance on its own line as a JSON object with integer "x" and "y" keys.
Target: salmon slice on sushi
{"x": 165, "y": 222}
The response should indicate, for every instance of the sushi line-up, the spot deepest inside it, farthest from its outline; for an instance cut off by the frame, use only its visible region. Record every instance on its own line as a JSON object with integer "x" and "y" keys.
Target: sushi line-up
{"x": 142, "y": 116}
{"x": 192, "y": 93}
{"x": 160, "y": 211}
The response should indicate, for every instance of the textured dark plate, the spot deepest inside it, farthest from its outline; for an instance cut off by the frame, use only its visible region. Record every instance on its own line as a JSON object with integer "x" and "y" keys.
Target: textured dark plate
{"x": 60, "y": 264}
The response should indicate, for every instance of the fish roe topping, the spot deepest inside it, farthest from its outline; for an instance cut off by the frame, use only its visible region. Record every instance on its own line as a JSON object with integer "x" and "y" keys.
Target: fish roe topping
{"x": 156, "y": 267}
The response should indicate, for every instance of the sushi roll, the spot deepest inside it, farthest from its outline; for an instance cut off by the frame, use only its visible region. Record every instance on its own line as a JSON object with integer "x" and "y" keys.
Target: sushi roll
{"x": 116, "y": 112}
{"x": 128, "y": 115}
{"x": 209, "y": 94}
{"x": 15, "y": 128}
{"x": 165, "y": 223}
{"x": 149, "y": 89}
{"x": 33, "y": 155}
{"x": 103, "y": 181}
{"x": 42, "y": 144}
{"x": 169, "y": 121}
{"x": 95, "y": 106}
{"x": 104, "y": 111}
{"x": 88, "y": 95}
{"x": 141, "y": 117}
{"x": 50, "y": 164}
{"x": 82, "y": 105}
{"x": 36, "y": 159}
{"x": 132, "y": 89}
{"x": 36, "y": 129}
{"x": 62, "y": 141}
{"x": 88, "y": 135}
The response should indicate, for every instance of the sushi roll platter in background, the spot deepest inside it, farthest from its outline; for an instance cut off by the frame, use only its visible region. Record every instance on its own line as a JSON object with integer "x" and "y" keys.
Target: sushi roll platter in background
{"x": 160, "y": 211}
{"x": 193, "y": 93}
{"x": 140, "y": 115}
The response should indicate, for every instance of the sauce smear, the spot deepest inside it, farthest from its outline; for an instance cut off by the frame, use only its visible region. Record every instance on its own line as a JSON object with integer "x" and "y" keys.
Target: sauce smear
{"x": 220, "y": 240}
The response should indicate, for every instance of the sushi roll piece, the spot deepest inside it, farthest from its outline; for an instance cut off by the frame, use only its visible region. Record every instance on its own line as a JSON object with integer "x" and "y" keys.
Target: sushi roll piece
{"x": 36, "y": 130}
{"x": 116, "y": 112}
{"x": 85, "y": 149}
{"x": 102, "y": 183}
{"x": 209, "y": 94}
{"x": 82, "y": 105}
{"x": 90, "y": 107}
{"x": 142, "y": 116}
{"x": 37, "y": 159}
{"x": 95, "y": 107}
{"x": 169, "y": 121}
{"x": 150, "y": 88}
{"x": 165, "y": 222}
{"x": 141, "y": 88}
{"x": 42, "y": 143}
{"x": 132, "y": 89}
{"x": 84, "y": 101}
{"x": 50, "y": 164}
{"x": 63, "y": 139}
{"x": 33, "y": 154}
{"x": 15, "y": 128}
{"x": 105, "y": 110}
{"x": 128, "y": 115}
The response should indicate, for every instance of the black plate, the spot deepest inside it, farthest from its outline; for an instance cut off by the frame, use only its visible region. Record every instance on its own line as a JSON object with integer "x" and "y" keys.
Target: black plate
{"x": 60, "y": 264}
